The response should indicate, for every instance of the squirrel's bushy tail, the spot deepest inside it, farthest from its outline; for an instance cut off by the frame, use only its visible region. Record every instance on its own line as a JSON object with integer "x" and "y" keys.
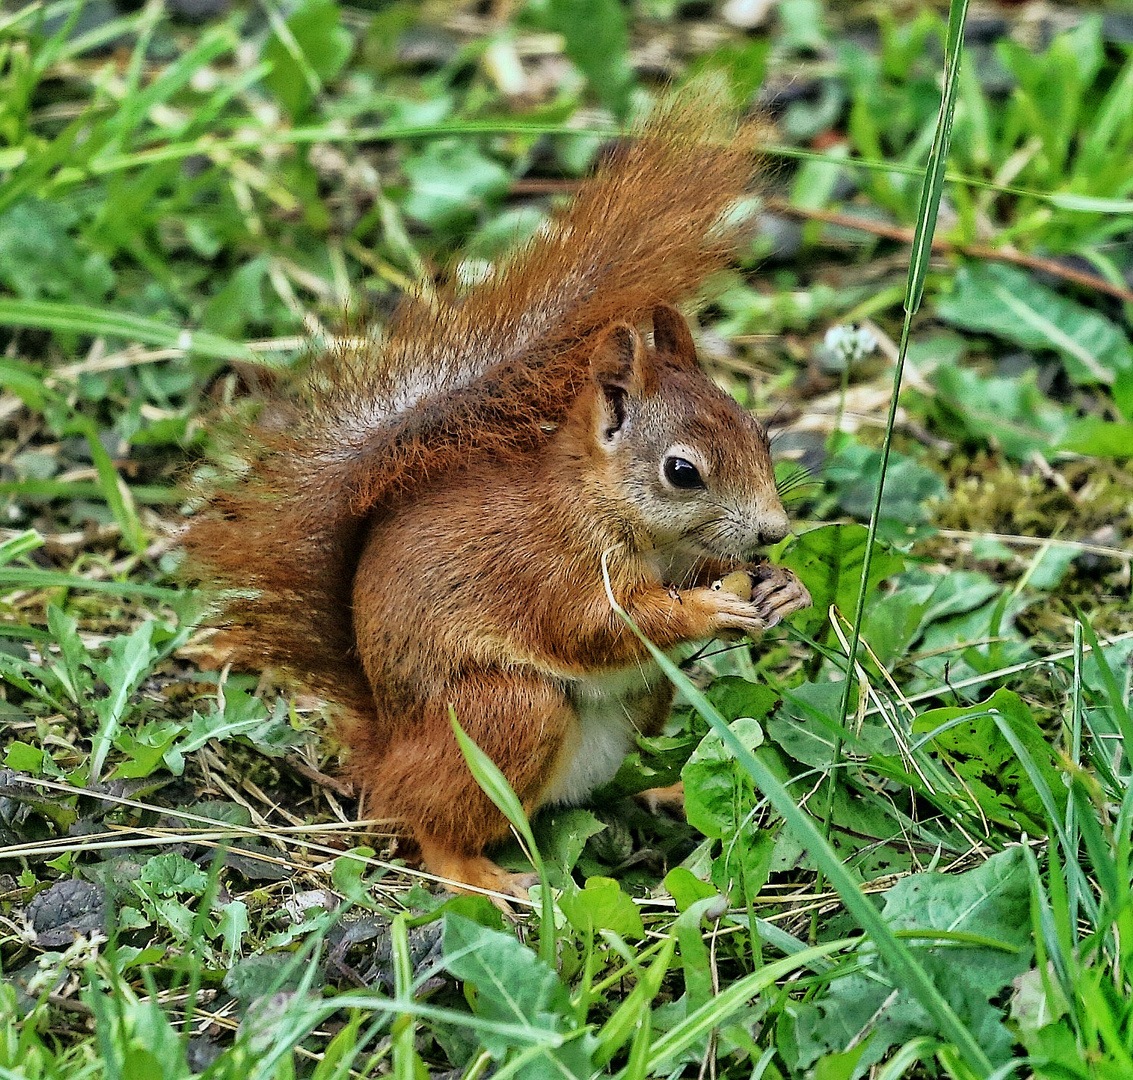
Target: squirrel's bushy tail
{"x": 490, "y": 369}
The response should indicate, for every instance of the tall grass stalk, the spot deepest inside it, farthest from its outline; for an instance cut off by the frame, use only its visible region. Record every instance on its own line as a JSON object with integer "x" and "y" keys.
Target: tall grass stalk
{"x": 929, "y": 206}
{"x": 914, "y": 290}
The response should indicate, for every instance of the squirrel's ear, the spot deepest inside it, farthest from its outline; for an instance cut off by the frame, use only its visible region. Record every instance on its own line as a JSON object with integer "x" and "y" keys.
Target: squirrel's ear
{"x": 671, "y": 335}
{"x": 619, "y": 362}
{"x": 621, "y": 369}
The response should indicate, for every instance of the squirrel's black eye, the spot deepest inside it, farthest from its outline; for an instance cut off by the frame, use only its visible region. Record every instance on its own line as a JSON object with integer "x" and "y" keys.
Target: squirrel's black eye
{"x": 682, "y": 474}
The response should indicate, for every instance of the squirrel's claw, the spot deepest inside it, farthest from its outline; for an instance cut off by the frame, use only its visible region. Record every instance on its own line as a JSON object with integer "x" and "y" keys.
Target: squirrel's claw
{"x": 779, "y": 595}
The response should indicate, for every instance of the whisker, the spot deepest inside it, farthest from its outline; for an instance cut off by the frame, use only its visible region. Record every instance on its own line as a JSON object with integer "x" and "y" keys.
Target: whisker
{"x": 799, "y": 476}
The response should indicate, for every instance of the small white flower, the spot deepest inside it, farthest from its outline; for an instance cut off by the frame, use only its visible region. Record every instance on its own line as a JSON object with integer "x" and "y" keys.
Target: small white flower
{"x": 849, "y": 344}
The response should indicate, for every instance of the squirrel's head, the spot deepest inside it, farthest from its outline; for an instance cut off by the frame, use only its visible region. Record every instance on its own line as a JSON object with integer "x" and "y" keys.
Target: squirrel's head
{"x": 688, "y": 467}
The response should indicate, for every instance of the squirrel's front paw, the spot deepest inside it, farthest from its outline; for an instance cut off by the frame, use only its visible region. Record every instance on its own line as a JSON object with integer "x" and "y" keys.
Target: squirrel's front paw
{"x": 771, "y": 592}
{"x": 778, "y": 592}
{"x": 731, "y": 615}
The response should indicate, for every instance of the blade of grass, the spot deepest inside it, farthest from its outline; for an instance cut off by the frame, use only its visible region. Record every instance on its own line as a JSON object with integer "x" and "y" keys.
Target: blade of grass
{"x": 133, "y": 104}
{"x": 638, "y": 1063}
{"x": 66, "y": 44}
{"x": 287, "y": 39}
{"x": 1073, "y": 836}
{"x": 634, "y": 1013}
{"x": 1123, "y": 917}
{"x": 97, "y": 322}
{"x": 497, "y": 788}
{"x": 921, "y": 1048}
{"x": 114, "y": 490}
{"x": 1053, "y": 949}
{"x": 27, "y": 577}
{"x": 147, "y": 494}
{"x": 1101, "y": 854}
{"x": 1109, "y": 681}
{"x": 11, "y": 21}
{"x": 1054, "y": 819}
{"x": 404, "y": 1031}
{"x": 27, "y": 178}
{"x": 13, "y": 547}
{"x": 715, "y": 1012}
{"x": 914, "y": 290}
{"x": 212, "y": 143}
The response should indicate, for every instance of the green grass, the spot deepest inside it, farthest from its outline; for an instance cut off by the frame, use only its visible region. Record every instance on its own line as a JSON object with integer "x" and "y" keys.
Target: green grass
{"x": 921, "y": 870}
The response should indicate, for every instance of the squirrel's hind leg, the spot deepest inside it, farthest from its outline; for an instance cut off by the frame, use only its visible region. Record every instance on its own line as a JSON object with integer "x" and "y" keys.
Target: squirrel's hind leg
{"x": 472, "y": 873}
{"x": 421, "y": 780}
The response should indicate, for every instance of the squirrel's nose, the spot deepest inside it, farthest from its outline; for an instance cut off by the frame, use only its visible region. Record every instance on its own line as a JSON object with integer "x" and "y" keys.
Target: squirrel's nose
{"x": 772, "y": 526}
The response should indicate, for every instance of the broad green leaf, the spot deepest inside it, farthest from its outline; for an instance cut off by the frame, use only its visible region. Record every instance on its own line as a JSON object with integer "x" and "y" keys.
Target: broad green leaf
{"x": 691, "y": 1029}
{"x": 450, "y": 181}
{"x": 244, "y": 714}
{"x": 602, "y": 905}
{"x": 742, "y": 65}
{"x": 686, "y": 888}
{"x": 991, "y": 902}
{"x": 144, "y": 747}
{"x": 720, "y": 801}
{"x": 23, "y": 757}
{"x": 597, "y": 41}
{"x": 852, "y": 472}
{"x": 261, "y": 974}
{"x": 232, "y": 926}
{"x": 562, "y": 833}
{"x": 829, "y": 562}
{"x": 128, "y": 663}
{"x": 1009, "y": 303}
{"x": 736, "y": 697}
{"x": 985, "y": 762}
{"x": 514, "y": 987}
{"x": 306, "y": 50}
{"x": 717, "y": 790}
{"x": 1123, "y": 393}
{"x": 139, "y": 1064}
{"x": 1007, "y": 414}
{"x": 805, "y": 726}
{"x": 1099, "y": 438}
{"x": 348, "y": 875}
{"x": 41, "y": 260}
{"x": 171, "y": 874}
{"x": 74, "y": 671}
{"x": 841, "y": 1066}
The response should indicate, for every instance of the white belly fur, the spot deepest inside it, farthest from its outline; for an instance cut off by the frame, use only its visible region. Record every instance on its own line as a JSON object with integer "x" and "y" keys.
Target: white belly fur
{"x": 604, "y": 732}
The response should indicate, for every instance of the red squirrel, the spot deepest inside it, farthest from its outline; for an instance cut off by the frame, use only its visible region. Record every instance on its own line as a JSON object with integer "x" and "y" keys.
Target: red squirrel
{"x": 428, "y": 532}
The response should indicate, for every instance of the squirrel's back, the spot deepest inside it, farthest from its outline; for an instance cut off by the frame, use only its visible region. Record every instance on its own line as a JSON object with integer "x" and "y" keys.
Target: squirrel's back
{"x": 490, "y": 370}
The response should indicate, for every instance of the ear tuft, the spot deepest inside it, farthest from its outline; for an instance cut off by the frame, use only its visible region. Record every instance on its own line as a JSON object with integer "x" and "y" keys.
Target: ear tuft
{"x": 671, "y": 335}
